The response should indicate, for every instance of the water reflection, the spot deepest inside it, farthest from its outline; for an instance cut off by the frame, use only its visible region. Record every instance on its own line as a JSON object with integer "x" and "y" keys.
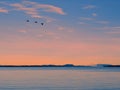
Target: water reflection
{"x": 51, "y": 79}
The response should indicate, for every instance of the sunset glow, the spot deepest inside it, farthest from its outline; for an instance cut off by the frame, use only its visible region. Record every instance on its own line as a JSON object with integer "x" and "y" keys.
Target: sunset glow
{"x": 77, "y": 32}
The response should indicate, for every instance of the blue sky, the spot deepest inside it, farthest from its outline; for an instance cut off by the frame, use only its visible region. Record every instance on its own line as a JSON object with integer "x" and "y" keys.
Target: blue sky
{"x": 107, "y": 11}
{"x": 79, "y": 32}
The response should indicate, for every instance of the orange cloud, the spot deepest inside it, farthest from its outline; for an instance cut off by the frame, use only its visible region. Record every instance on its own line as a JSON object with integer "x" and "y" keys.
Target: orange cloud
{"x": 2, "y": 10}
{"x": 28, "y": 10}
{"x": 32, "y": 8}
{"x": 51, "y": 8}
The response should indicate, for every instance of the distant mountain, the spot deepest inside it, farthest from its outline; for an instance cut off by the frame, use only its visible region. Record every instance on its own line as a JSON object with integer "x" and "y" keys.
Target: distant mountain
{"x": 66, "y": 65}
{"x": 103, "y": 65}
{"x": 107, "y": 65}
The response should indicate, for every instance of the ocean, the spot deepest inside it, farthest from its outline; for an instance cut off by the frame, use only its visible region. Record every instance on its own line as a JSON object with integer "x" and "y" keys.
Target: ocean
{"x": 59, "y": 78}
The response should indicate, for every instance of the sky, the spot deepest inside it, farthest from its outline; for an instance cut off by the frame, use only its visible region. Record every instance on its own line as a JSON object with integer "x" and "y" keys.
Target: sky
{"x": 80, "y": 32}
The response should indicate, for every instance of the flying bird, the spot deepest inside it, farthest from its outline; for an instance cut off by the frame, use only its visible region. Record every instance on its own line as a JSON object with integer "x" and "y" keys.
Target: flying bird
{"x": 42, "y": 24}
{"x": 27, "y": 20}
{"x": 36, "y": 22}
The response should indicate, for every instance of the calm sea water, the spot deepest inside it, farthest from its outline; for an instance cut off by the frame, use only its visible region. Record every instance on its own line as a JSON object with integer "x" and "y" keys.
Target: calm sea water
{"x": 59, "y": 79}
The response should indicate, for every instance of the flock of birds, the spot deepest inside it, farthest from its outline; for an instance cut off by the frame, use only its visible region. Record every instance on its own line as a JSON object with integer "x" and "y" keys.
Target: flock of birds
{"x": 35, "y": 22}
{"x": 42, "y": 24}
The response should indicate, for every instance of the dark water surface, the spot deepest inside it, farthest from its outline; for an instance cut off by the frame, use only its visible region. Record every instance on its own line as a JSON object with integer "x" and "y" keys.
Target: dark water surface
{"x": 32, "y": 78}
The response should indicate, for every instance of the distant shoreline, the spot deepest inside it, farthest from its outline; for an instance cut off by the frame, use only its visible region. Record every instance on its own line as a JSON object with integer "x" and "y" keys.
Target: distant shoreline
{"x": 66, "y": 65}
